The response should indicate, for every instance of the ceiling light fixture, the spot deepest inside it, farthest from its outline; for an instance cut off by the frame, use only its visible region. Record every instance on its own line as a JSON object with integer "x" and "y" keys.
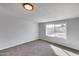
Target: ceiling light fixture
{"x": 28, "y": 6}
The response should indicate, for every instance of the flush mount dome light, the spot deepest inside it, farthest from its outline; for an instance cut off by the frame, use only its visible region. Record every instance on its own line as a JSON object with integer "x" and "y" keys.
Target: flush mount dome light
{"x": 28, "y": 6}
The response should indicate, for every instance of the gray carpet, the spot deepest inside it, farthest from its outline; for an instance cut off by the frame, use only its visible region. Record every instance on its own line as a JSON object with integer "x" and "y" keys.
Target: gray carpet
{"x": 34, "y": 48}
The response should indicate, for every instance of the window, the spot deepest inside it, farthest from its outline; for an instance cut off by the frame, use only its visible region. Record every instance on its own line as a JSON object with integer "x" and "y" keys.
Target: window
{"x": 56, "y": 30}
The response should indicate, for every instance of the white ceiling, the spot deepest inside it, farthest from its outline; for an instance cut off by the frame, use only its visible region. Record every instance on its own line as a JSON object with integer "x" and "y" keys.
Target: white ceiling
{"x": 42, "y": 12}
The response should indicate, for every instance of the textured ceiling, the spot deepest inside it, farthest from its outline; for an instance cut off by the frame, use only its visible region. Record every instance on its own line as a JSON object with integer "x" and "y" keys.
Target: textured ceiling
{"x": 43, "y": 12}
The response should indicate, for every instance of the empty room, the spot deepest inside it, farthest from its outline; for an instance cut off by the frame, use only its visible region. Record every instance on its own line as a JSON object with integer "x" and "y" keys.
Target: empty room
{"x": 39, "y": 29}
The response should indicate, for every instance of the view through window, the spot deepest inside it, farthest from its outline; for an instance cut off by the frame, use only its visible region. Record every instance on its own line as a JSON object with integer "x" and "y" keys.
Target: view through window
{"x": 56, "y": 30}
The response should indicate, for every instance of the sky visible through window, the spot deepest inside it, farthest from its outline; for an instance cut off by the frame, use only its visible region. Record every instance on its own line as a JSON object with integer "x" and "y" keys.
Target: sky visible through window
{"x": 56, "y": 30}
